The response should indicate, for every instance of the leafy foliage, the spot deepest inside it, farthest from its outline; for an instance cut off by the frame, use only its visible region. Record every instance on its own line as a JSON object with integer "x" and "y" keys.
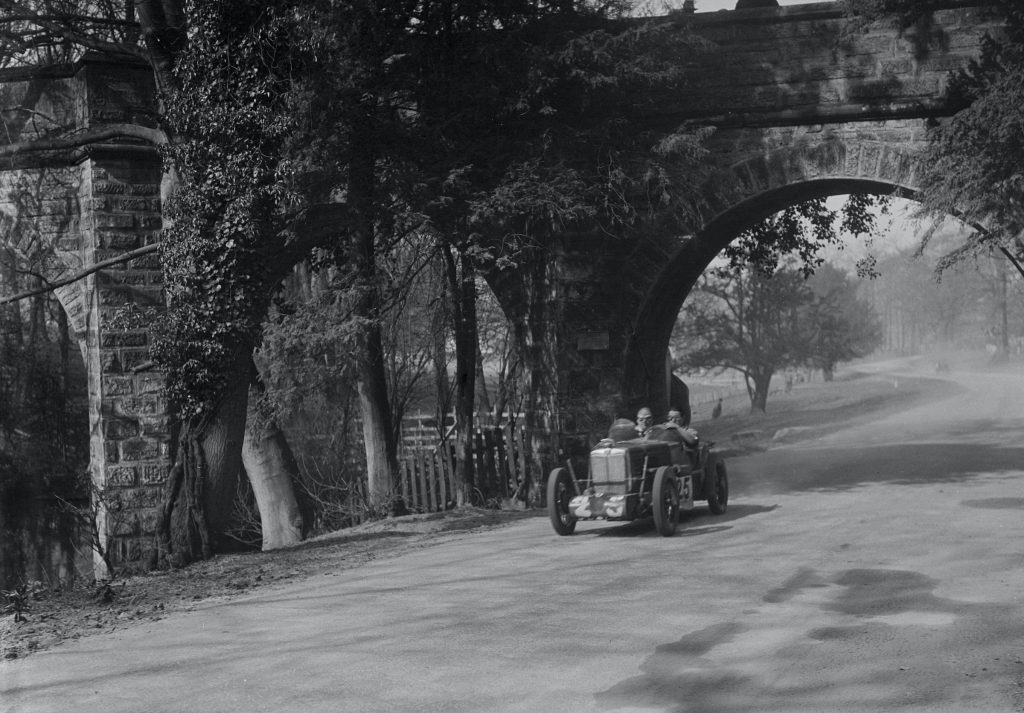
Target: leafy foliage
{"x": 971, "y": 168}
{"x": 566, "y": 142}
{"x": 804, "y": 230}
{"x": 973, "y": 161}
{"x": 232, "y": 120}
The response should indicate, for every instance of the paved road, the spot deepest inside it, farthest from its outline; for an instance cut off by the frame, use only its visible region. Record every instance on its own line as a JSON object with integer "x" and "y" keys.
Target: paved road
{"x": 877, "y": 570}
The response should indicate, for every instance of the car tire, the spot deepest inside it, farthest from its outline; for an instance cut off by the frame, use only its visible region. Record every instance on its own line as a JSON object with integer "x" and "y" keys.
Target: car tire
{"x": 560, "y": 491}
{"x": 717, "y": 489}
{"x": 665, "y": 501}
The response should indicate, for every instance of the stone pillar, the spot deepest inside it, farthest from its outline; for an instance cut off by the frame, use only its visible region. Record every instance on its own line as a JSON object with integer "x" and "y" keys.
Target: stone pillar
{"x": 129, "y": 423}
{"x": 130, "y": 439}
{"x": 571, "y": 333}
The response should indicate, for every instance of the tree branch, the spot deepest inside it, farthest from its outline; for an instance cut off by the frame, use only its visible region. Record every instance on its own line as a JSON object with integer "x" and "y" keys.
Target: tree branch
{"x": 84, "y": 138}
{"x": 165, "y": 33}
{"x": 312, "y": 227}
{"x": 50, "y": 287}
{"x": 1016, "y": 263}
{"x": 61, "y": 29}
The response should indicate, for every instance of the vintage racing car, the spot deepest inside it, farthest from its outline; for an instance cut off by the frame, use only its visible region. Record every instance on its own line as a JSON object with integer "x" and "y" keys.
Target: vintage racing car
{"x": 657, "y": 475}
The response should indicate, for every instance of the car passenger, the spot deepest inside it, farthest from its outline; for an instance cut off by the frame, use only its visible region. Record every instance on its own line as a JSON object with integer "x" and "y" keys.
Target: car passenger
{"x": 644, "y": 419}
{"x": 675, "y": 420}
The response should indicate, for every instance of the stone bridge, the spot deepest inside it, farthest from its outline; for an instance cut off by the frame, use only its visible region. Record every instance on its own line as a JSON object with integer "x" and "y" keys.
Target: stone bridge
{"x": 802, "y": 108}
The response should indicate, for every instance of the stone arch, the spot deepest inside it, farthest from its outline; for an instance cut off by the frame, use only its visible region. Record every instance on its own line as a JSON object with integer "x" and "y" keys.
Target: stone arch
{"x": 40, "y": 222}
{"x": 747, "y": 192}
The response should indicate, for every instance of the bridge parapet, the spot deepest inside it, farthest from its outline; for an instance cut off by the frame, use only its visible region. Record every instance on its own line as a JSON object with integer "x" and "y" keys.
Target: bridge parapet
{"x": 804, "y": 63}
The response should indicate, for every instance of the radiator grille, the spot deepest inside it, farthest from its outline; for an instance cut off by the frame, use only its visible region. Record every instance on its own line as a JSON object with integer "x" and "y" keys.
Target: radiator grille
{"x": 609, "y": 470}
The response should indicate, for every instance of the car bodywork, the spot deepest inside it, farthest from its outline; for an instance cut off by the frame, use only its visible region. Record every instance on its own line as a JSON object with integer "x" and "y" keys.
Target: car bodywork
{"x": 658, "y": 476}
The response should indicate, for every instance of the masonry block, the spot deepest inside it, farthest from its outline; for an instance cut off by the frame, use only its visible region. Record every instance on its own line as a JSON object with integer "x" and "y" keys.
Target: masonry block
{"x": 154, "y": 475}
{"x": 140, "y": 449}
{"x": 155, "y": 426}
{"x": 114, "y": 220}
{"x": 117, "y": 386}
{"x": 123, "y": 339}
{"x": 109, "y": 363}
{"x": 138, "y": 406}
{"x": 119, "y": 429}
{"x": 149, "y": 384}
{"x": 115, "y": 240}
{"x": 122, "y": 476}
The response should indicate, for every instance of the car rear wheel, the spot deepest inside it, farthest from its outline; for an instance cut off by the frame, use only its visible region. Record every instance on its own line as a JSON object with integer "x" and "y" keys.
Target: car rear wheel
{"x": 666, "y": 501}
{"x": 560, "y": 492}
{"x": 718, "y": 488}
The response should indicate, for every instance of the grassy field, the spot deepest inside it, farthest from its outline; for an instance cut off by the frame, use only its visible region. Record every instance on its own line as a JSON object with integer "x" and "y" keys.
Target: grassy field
{"x": 813, "y": 409}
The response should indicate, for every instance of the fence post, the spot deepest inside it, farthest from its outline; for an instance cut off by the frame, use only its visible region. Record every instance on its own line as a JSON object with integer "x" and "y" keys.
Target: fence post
{"x": 524, "y": 470}
{"x": 502, "y": 461}
{"x": 431, "y": 468}
{"x": 449, "y": 467}
{"x": 442, "y": 490}
{"x": 403, "y": 475}
{"x": 480, "y": 463}
{"x": 421, "y": 462}
{"x": 487, "y": 456}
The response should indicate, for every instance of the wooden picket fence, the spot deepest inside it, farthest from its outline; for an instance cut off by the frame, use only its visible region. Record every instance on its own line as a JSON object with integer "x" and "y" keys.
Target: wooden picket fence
{"x": 502, "y": 469}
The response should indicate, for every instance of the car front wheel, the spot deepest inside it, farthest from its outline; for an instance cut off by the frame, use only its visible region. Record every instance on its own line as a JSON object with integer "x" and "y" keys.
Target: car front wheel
{"x": 718, "y": 488}
{"x": 560, "y": 492}
{"x": 665, "y": 501}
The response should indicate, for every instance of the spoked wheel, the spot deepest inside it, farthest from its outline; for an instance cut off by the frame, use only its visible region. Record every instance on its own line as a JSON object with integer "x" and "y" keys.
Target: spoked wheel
{"x": 560, "y": 492}
{"x": 718, "y": 488}
{"x": 665, "y": 499}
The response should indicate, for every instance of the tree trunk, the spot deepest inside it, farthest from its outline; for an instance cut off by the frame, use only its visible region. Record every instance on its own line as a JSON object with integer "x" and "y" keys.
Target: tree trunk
{"x": 506, "y": 384}
{"x": 462, "y": 281}
{"x": 442, "y": 386}
{"x": 272, "y": 471}
{"x": 759, "y": 394}
{"x": 482, "y": 393}
{"x": 381, "y": 458}
{"x": 378, "y": 434}
{"x": 200, "y": 495}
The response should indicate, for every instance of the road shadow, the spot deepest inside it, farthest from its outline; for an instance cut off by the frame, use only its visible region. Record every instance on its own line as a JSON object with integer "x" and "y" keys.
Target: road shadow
{"x": 878, "y": 611}
{"x": 692, "y": 523}
{"x": 845, "y": 468}
{"x": 736, "y": 511}
{"x": 995, "y": 504}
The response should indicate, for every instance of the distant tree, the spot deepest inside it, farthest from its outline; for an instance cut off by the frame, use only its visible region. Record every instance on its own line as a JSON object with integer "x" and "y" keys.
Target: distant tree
{"x": 743, "y": 320}
{"x": 963, "y": 310}
{"x": 845, "y": 326}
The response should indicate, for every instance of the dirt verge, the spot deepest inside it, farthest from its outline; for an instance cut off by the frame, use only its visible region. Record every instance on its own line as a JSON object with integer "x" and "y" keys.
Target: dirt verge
{"x": 55, "y": 616}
